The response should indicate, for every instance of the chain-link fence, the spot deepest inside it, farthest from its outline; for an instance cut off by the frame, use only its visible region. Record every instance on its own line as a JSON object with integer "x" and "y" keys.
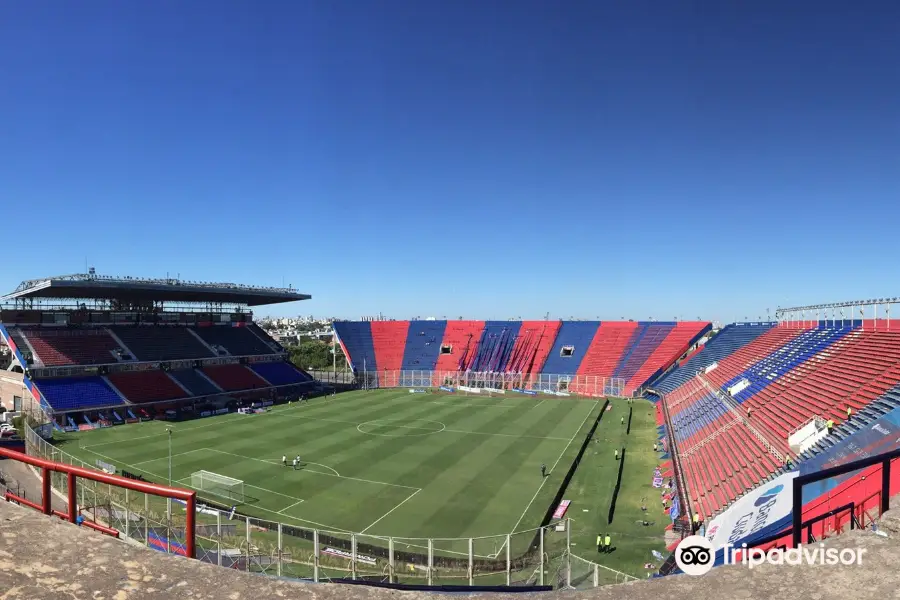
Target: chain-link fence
{"x": 488, "y": 382}
{"x": 536, "y": 557}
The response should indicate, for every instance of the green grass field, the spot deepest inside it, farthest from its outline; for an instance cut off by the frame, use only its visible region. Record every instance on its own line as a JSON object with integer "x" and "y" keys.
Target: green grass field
{"x": 391, "y": 463}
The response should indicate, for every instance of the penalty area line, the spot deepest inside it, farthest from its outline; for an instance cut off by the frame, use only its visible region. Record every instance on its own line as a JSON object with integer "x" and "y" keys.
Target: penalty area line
{"x": 282, "y": 511}
{"x": 407, "y": 499}
{"x": 553, "y": 468}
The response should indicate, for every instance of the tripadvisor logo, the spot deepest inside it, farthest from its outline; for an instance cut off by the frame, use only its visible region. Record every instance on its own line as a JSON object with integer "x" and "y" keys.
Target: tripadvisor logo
{"x": 695, "y": 556}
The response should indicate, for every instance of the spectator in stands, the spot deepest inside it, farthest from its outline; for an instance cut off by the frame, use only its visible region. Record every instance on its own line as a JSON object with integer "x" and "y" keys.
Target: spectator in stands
{"x": 748, "y": 412}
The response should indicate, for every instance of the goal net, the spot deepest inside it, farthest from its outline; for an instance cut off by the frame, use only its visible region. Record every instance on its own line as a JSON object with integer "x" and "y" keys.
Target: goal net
{"x": 218, "y": 485}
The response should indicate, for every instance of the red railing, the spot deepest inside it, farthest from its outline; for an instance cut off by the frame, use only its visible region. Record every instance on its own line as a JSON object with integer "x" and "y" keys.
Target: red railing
{"x": 46, "y": 507}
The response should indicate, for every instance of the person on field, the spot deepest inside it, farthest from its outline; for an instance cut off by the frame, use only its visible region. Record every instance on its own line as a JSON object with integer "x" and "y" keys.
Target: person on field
{"x": 294, "y": 463}
{"x": 283, "y": 460}
{"x": 543, "y": 470}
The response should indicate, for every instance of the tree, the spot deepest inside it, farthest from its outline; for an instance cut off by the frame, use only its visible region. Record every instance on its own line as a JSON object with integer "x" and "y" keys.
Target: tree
{"x": 314, "y": 355}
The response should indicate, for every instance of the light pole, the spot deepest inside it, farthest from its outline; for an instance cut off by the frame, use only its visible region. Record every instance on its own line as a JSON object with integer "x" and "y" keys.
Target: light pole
{"x": 169, "y": 431}
{"x": 169, "y": 500}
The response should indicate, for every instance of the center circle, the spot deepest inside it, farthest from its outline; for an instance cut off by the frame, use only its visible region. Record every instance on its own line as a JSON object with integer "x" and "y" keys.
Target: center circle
{"x": 401, "y": 427}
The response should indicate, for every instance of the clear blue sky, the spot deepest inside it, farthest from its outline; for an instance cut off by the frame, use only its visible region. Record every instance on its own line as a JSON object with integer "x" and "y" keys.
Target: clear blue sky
{"x": 476, "y": 158}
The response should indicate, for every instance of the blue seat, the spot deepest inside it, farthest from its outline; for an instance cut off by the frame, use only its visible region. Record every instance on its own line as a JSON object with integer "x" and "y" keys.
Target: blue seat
{"x": 78, "y": 393}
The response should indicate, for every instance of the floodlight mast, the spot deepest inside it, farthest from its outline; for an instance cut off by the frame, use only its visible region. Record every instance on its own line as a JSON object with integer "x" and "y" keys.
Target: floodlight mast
{"x": 813, "y": 315}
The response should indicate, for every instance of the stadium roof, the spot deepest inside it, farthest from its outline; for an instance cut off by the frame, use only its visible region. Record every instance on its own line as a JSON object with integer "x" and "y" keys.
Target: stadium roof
{"x": 92, "y": 286}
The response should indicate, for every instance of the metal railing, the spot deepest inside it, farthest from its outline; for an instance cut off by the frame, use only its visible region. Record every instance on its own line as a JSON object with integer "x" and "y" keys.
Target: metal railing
{"x": 684, "y": 519}
{"x": 535, "y": 557}
{"x": 733, "y": 407}
{"x": 72, "y": 473}
{"x": 576, "y": 385}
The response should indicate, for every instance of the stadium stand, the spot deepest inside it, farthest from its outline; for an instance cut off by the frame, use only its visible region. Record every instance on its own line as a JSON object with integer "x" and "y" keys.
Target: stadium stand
{"x": 234, "y": 378}
{"x": 799, "y": 349}
{"x": 195, "y": 382}
{"x": 728, "y": 341}
{"x": 720, "y": 457}
{"x": 356, "y": 341}
{"x": 238, "y": 341}
{"x": 861, "y": 421}
{"x": 389, "y": 343}
{"x": 461, "y": 342}
{"x": 149, "y": 343}
{"x": 571, "y": 346}
{"x": 607, "y": 348}
{"x": 76, "y": 393}
{"x": 743, "y": 358}
{"x": 495, "y": 347}
{"x": 146, "y": 386}
{"x": 855, "y": 371}
{"x": 643, "y": 342}
{"x": 533, "y": 346}
{"x": 635, "y": 351}
{"x": 280, "y": 373}
{"x": 61, "y": 347}
{"x": 19, "y": 340}
{"x": 676, "y": 343}
{"x": 261, "y": 334}
{"x": 794, "y": 375}
{"x": 423, "y": 345}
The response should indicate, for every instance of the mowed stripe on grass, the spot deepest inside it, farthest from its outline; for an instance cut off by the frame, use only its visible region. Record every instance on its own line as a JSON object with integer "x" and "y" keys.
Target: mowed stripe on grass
{"x": 476, "y": 472}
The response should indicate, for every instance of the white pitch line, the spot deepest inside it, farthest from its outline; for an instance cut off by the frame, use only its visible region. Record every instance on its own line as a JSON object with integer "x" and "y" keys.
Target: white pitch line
{"x": 513, "y": 435}
{"x": 275, "y": 461}
{"x": 390, "y": 511}
{"x": 281, "y": 512}
{"x": 387, "y": 422}
{"x": 409, "y": 487}
{"x": 590, "y": 412}
{"x": 144, "y": 462}
{"x": 480, "y": 405}
{"x": 214, "y": 423}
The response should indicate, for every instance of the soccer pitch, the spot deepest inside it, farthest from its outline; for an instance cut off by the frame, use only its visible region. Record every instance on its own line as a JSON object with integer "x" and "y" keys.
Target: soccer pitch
{"x": 386, "y": 462}
{"x": 391, "y": 463}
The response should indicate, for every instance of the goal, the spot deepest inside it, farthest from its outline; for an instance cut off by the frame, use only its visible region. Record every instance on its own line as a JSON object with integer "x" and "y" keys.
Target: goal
{"x": 218, "y": 485}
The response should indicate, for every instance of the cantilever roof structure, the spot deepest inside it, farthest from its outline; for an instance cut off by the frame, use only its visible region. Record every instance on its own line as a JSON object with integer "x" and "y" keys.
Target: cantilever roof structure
{"x": 91, "y": 286}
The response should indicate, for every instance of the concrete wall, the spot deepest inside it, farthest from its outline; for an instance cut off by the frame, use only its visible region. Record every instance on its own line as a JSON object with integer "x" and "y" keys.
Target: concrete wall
{"x": 11, "y": 386}
{"x": 43, "y": 558}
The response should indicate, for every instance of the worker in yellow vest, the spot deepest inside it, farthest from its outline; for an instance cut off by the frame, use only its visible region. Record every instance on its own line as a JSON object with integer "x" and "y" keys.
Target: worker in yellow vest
{"x": 830, "y": 425}
{"x": 607, "y": 546}
{"x": 849, "y": 413}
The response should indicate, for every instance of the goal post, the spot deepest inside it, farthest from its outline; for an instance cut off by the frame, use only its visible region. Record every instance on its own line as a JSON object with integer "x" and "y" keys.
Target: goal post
{"x": 218, "y": 485}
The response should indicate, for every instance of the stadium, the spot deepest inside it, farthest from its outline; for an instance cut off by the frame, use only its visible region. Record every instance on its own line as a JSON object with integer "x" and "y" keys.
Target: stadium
{"x": 474, "y": 455}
